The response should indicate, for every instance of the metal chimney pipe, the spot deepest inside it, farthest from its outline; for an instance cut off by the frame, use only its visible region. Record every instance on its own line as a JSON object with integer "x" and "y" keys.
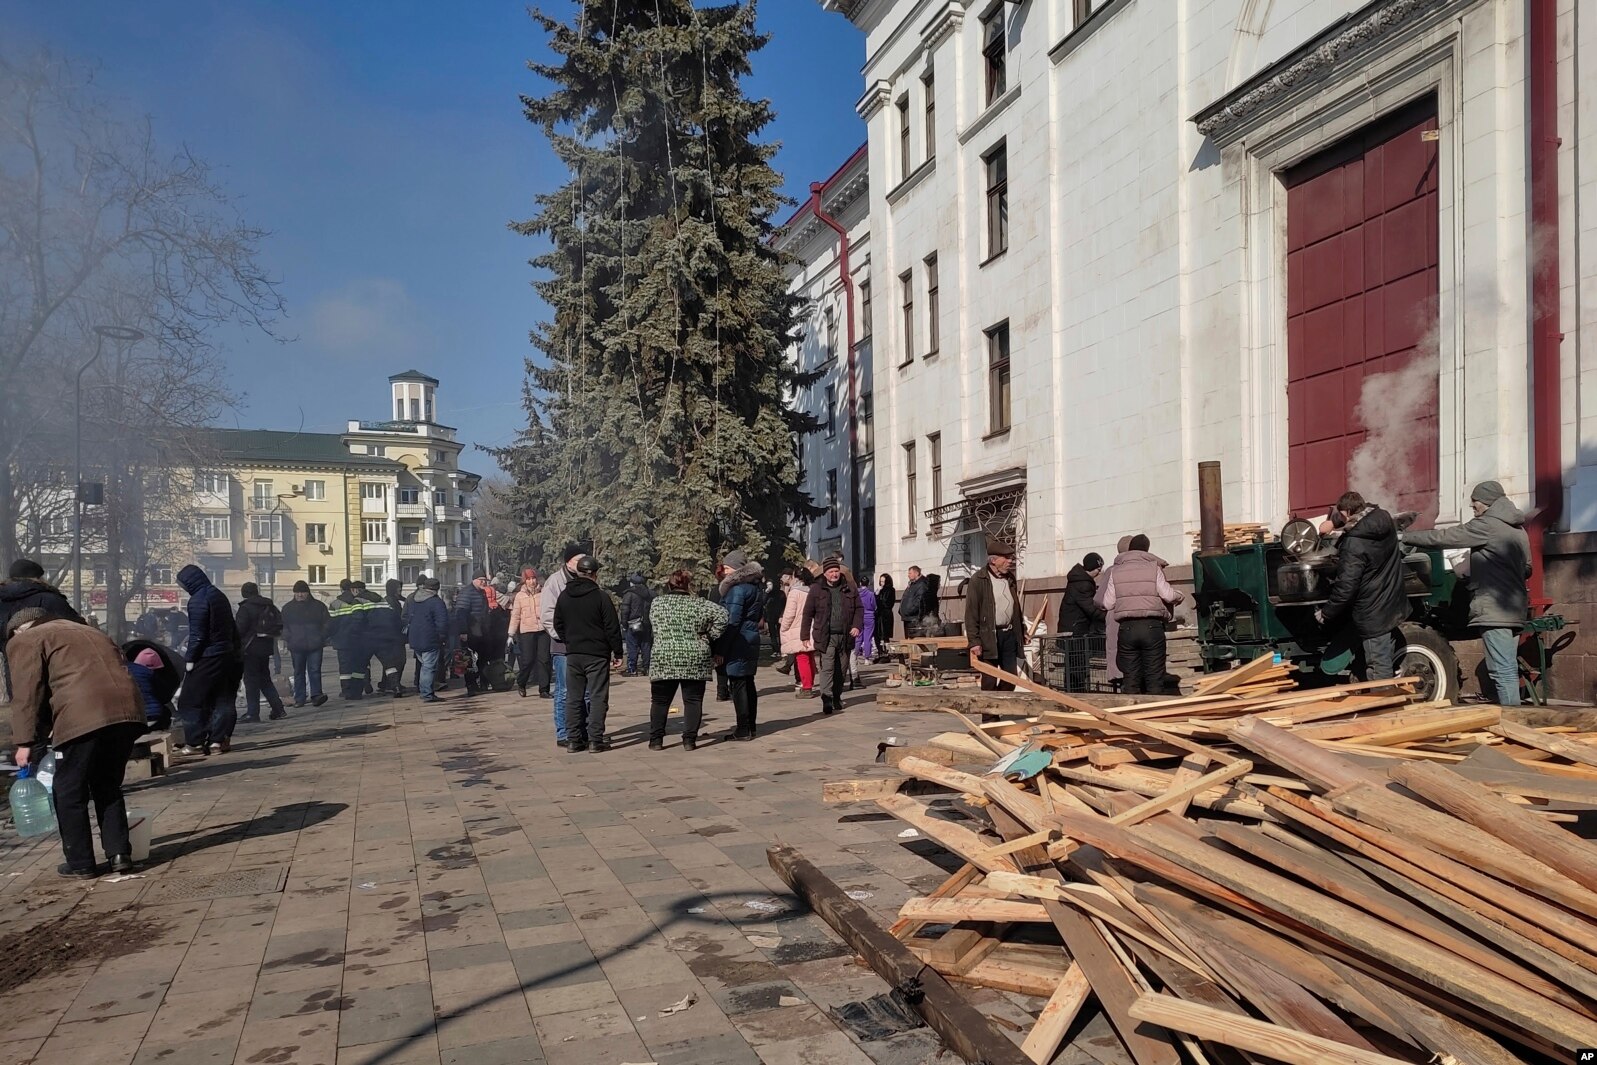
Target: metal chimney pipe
{"x": 1211, "y": 510}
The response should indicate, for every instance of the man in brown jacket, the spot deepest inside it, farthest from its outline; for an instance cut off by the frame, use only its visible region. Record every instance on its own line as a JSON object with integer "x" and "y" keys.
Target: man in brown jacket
{"x": 71, "y": 689}
{"x": 994, "y": 620}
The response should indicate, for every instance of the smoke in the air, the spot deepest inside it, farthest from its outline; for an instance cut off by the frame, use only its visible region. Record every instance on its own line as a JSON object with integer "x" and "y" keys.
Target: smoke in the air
{"x": 1393, "y": 409}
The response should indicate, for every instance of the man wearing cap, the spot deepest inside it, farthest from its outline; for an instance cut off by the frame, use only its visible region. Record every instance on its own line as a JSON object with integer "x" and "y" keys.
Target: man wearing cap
{"x": 347, "y": 613}
{"x": 993, "y": 615}
{"x": 832, "y": 619}
{"x": 547, "y": 600}
{"x": 427, "y": 629}
{"x": 586, "y": 623}
{"x": 1499, "y": 565}
{"x": 306, "y": 626}
{"x": 72, "y": 690}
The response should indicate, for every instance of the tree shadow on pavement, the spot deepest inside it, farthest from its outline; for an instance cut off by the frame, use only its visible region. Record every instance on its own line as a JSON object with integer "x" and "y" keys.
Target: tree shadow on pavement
{"x": 293, "y": 817}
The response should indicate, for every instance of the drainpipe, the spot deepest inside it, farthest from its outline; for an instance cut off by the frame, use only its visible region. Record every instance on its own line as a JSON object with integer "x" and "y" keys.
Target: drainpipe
{"x": 853, "y": 402}
{"x": 1545, "y": 246}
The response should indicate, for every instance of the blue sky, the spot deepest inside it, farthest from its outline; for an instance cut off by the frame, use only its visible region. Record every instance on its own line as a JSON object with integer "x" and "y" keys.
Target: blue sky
{"x": 383, "y": 146}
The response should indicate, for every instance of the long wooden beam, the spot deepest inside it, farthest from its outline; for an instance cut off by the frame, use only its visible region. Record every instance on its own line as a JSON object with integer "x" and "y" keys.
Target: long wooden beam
{"x": 962, "y": 1027}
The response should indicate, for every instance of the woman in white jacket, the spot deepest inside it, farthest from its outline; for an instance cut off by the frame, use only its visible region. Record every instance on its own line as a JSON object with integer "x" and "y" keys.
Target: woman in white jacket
{"x": 803, "y": 651}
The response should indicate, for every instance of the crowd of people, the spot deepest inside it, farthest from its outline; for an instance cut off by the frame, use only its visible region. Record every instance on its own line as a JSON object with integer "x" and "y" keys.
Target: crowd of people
{"x": 564, "y": 636}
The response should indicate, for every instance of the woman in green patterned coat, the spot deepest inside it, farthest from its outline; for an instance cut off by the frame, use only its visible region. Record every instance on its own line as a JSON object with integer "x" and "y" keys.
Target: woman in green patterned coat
{"x": 683, "y": 627}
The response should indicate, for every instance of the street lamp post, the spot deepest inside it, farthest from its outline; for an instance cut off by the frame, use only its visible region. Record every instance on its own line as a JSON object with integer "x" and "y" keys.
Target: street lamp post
{"x": 271, "y": 542}
{"x": 102, "y": 333}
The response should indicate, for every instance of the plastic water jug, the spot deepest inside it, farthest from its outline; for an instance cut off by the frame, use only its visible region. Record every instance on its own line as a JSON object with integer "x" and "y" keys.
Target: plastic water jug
{"x": 31, "y": 807}
{"x": 45, "y": 773}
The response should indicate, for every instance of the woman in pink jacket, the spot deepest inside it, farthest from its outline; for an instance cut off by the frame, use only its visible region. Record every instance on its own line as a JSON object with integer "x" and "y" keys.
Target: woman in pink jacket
{"x": 532, "y": 642}
{"x": 803, "y": 651}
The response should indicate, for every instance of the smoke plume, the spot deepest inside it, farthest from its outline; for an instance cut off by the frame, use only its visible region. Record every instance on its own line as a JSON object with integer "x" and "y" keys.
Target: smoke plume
{"x": 1397, "y": 410}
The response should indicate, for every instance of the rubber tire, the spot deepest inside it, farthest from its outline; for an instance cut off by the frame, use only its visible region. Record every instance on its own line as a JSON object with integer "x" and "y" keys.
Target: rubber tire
{"x": 1436, "y": 656}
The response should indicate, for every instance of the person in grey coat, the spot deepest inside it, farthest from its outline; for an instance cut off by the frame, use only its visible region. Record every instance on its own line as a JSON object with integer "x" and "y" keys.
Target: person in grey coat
{"x": 1499, "y": 564}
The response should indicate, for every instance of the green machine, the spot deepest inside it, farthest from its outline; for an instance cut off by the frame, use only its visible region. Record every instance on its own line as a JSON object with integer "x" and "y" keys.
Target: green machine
{"x": 1259, "y": 598}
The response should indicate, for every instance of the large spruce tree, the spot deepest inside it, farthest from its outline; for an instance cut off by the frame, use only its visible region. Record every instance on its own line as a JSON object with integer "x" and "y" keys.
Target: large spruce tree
{"x": 658, "y": 423}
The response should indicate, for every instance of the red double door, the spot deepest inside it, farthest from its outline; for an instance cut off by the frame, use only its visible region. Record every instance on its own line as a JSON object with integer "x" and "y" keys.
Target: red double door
{"x": 1362, "y": 279}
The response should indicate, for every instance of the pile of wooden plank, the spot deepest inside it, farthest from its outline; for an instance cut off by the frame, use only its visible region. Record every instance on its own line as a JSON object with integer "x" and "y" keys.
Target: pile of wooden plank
{"x": 1321, "y": 877}
{"x": 1239, "y": 534}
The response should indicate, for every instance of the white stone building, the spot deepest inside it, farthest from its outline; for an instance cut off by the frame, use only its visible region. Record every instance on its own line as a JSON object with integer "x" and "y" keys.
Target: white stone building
{"x": 834, "y": 347}
{"x": 1207, "y": 229}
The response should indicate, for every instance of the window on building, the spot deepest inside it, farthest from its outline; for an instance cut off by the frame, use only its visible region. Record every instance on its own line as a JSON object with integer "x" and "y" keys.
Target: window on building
{"x": 831, "y": 411}
{"x": 929, "y": 115}
{"x": 214, "y": 527}
{"x": 867, "y": 425}
{"x": 831, "y": 498}
{"x": 998, "y": 378}
{"x": 440, "y": 497}
{"x": 315, "y": 490}
{"x": 266, "y": 527}
{"x": 440, "y": 458}
{"x": 99, "y": 576}
{"x": 934, "y": 452}
{"x": 409, "y": 495}
{"x": 911, "y": 499}
{"x": 903, "y": 137}
{"x": 906, "y": 283}
{"x": 376, "y": 449}
{"x": 316, "y": 532}
{"x": 158, "y": 574}
{"x": 374, "y": 532}
{"x": 316, "y": 574}
{"x": 1082, "y": 9}
{"x": 830, "y": 350}
{"x": 932, "y": 309}
{"x": 374, "y": 573}
{"x": 263, "y": 495}
{"x": 373, "y": 497}
{"x": 55, "y": 525}
{"x": 210, "y": 482}
{"x": 997, "y": 166}
{"x": 409, "y": 573}
{"x": 428, "y": 406}
{"x": 415, "y": 409}
{"x": 865, "y": 309}
{"x": 465, "y": 535}
{"x": 410, "y": 534}
{"x": 993, "y": 47}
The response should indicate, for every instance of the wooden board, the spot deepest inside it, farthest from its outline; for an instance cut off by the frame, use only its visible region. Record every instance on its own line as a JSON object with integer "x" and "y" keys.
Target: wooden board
{"x": 965, "y": 842}
{"x": 1245, "y": 1033}
{"x": 946, "y": 1011}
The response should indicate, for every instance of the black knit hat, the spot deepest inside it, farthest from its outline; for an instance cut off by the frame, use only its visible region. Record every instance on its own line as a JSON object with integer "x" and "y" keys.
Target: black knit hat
{"x": 572, "y": 551}
{"x": 24, "y": 569}
{"x": 1093, "y": 561}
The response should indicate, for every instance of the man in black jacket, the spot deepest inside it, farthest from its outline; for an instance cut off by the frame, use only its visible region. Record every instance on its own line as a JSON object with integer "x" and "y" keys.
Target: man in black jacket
{"x": 259, "y": 624}
{"x": 832, "y": 618}
{"x": 306, "y": 627}
{"x": 26, "y": 588}
{"x": 1079, "y": 612}
{"x": 587, "y": 623}
{"x": 213, "y": 669}
{"x": 1368, "y": 591}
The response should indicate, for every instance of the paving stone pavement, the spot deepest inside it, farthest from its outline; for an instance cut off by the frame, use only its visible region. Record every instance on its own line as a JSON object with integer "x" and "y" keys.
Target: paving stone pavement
{"x": 459, "y": 889}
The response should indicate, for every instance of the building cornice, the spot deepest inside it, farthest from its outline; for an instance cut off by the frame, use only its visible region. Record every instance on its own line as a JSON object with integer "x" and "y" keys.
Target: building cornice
{"x": 943, "y": 25}
{"x": 875, "y": 98}
{"x": 1348, "y": 44}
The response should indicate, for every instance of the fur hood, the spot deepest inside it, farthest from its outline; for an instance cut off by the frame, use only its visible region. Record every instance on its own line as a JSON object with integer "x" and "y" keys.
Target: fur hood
{"x": 748, "y": 573}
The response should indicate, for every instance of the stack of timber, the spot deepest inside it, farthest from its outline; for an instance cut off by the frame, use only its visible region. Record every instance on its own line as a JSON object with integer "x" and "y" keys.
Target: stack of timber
{"x": 1237, "y": 535}
{"x": 1333, "y": 877}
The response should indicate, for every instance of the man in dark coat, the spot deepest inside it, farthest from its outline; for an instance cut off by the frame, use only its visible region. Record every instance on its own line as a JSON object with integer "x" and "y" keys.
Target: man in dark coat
{"x": 1368, "y": 594}
{"x": 474, "y": 626}
{"x": 73, "y": 691}
{"x": 427, "y": 628}
{"x": 388, "y": 637}
{"x": 1079, "y": 612}
{"x": 586, "y": 622}
{"x": 259, "y": 624}
{"x": 916, "y": 602}
{"x": 635, "y": 603}
{"x": 994, "y": 620}
{"x": 26, "y": 588}
{"x": 742, "y": 591}
{"x": 306, "y": 628}
{"x": 833, "y": 617}
{"x": 214, "y": 667}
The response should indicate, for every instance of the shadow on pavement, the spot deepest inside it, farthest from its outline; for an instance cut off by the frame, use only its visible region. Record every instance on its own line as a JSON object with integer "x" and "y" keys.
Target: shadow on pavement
{"x": 294, "y": 817}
